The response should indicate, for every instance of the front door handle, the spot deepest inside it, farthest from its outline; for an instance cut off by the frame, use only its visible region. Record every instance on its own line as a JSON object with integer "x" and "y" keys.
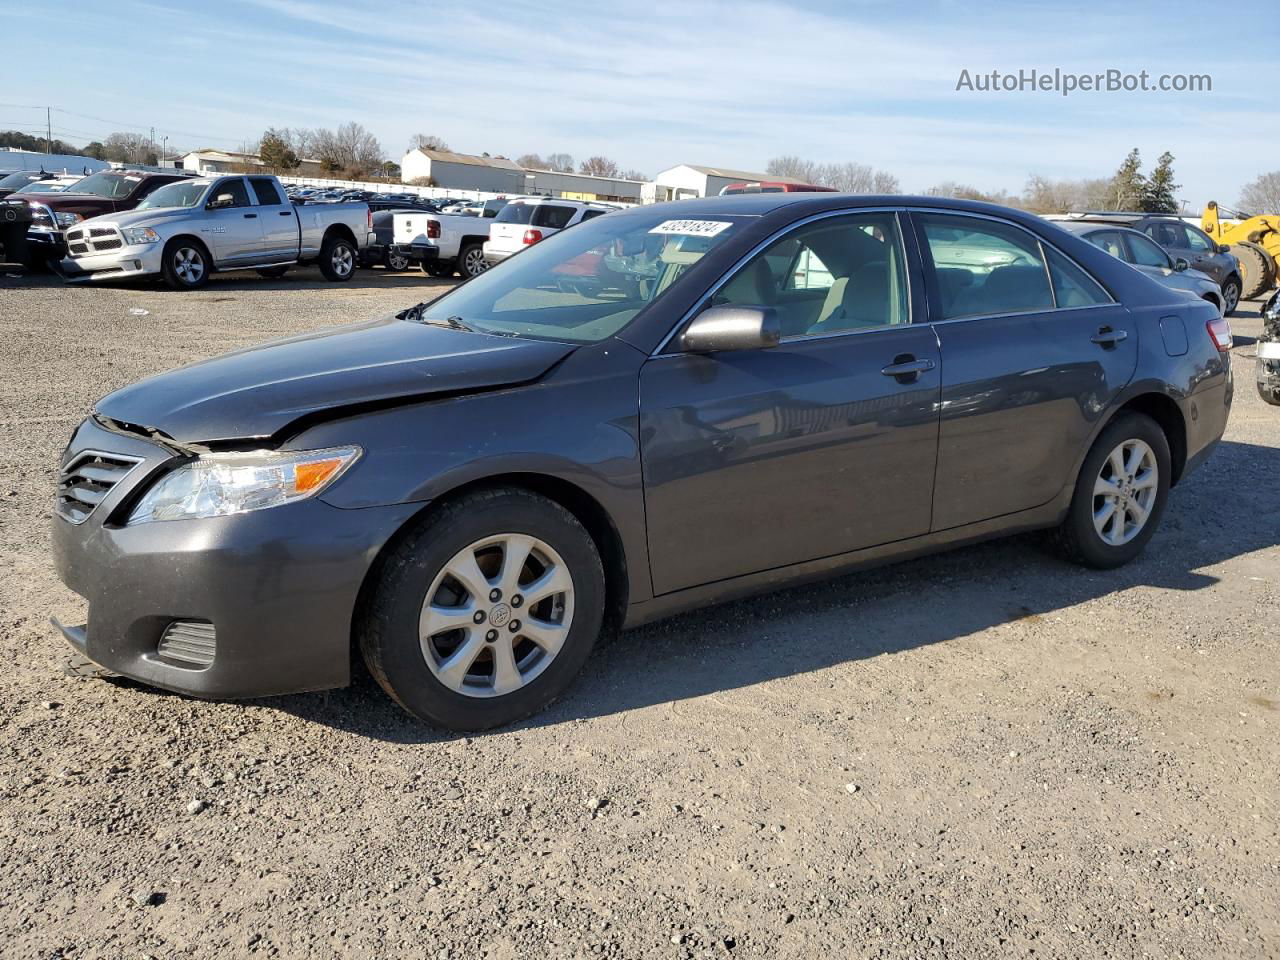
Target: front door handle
{"x": 250, "y": 216}
{"x": 1106, "y": 337}
{"x": 286, "y": 213}
{"x": 907, "y": 368}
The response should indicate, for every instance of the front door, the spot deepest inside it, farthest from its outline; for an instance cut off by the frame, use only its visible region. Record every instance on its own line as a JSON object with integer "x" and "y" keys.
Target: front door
{"x": 758, "y": 459}
{"x": 1034, "y": 352}
{"x": 232, "y": 227}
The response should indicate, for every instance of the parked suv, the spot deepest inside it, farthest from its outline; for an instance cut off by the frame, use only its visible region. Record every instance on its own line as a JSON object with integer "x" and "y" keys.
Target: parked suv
{"x": 524, "y": 222}
{"x": 1185, "y": 241}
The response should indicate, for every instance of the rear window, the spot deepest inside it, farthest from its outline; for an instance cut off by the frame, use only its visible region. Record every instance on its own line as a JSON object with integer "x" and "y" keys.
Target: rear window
{"x": 266, "y": 192}
{"x": 552, "y": 215}
{"x": 515, "y": 213}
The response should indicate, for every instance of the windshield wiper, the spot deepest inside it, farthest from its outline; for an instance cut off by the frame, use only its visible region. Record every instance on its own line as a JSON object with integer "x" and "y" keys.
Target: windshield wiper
{"x": 414, "y": 315}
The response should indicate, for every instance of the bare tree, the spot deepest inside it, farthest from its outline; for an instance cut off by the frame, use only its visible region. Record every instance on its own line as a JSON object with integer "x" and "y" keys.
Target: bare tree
{"x": 560, "y": 162}
{"x": 427, "y": 141}
{"x": 793, "y": 166}
{"x": 123, "y": 147}
{"x": 531, "y": 161}
{"x": 599, "y": 167}
{"x": 351, "y": 149}
{"x": 846, "y": 177}
{"x": 633, "y": 175}
{"x": 1043, "y": 195}
{"x": 1261, "y": 195}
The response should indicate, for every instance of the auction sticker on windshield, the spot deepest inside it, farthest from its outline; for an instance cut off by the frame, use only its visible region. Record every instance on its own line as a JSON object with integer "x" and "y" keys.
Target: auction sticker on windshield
{"x": 696, "y": 228}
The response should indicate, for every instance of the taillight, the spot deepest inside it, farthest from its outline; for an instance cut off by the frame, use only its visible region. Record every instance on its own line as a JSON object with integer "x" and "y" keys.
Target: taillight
{"x": 532, "y": 236}
{"x": 369, "y": 218}
{"x": 433, "y": 229}
{"x": 1220, "y": 333}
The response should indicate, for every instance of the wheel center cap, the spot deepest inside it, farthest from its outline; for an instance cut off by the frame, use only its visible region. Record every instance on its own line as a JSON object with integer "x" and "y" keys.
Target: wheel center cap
{"x": 499, "y": 615}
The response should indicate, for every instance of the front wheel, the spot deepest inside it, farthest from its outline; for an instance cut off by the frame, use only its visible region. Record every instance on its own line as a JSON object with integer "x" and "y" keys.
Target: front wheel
{"x": 185, "y": 265}
{"x": 486, "y": 611}
{"x": 337, "y": 259}
{"x": 1120, "y": 494}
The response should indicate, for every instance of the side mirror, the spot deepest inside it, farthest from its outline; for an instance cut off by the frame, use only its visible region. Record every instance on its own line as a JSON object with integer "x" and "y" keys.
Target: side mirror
{"x": 1222, "y": 248}
{"x": 1180, "y": 264}
{"x": 220, "y": 201}
{"x": 732, "y": 328}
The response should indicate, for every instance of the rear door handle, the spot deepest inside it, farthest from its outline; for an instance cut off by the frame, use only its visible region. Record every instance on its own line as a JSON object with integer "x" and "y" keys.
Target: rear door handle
{"x": 907, "y": 367}
{"x": 1107, "y": 337}
{"x": 286, "y": 213}
{"x": 250, "y": 216}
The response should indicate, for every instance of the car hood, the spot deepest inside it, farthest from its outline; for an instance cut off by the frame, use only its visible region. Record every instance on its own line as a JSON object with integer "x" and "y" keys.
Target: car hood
{"x": 258, "y": 393}
{"x": 143, "y": 218}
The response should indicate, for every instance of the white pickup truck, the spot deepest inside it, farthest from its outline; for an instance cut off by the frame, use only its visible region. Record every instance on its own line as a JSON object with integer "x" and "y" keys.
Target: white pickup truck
{"x": 185, "y": 231}
{"x": 445, "y": 243}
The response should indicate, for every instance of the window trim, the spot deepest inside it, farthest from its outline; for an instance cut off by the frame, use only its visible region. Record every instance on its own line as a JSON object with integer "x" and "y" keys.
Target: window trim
{"x": 931, "y": 280}
{"x": 731, "y": 272}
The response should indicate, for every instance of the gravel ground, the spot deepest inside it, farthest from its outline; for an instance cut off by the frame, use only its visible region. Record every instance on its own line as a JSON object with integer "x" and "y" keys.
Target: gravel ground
{"x": 987, "y": 753}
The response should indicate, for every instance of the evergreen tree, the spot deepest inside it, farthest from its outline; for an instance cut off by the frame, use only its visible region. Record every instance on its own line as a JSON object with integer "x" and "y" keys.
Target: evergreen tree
{"x": 1128, "y": 186}
{"x": 1158, "y": 192}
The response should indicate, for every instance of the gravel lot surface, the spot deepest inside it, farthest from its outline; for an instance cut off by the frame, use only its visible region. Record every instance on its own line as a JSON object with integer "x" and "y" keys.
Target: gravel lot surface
{"x": 987, "y": 753}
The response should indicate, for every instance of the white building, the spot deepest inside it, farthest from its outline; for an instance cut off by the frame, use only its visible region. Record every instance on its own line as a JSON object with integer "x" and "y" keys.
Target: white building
{"x": 205, "y": 162}
{"x": 462, "y": 171}
{"x": 12, "y": 159}
{"x": 691, "y": 180}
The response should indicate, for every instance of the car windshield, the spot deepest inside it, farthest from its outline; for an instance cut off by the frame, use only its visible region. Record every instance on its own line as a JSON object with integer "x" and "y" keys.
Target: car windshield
{"x": 178, "y": 194}
{"x": 112, "y": 185}
{"x": 585, "y": 284}
{"x": 16, "y": 181}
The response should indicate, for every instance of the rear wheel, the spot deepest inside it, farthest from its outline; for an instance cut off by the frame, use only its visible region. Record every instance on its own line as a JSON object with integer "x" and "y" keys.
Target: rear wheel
{"x": 337, "y": 258}
{"x": 1257, "y": 267}
{"x": 396, "y": 262}
{"x": 185, "y": 264}
{"x": 471, "y": 261}
{"x": 1120, "y": 494}
{"x": 486, "y": 611}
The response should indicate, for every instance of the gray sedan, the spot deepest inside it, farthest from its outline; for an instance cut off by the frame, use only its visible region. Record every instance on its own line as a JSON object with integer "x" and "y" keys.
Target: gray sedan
{"x": 1144, "y": 254}
{"x": 660, "y": 409}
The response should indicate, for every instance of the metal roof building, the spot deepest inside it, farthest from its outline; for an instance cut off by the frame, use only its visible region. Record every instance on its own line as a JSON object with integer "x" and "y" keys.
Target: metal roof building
{"x": 693, "y": 180}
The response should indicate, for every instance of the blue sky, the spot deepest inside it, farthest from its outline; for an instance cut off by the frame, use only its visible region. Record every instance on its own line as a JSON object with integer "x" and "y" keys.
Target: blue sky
{"x": 698, "y": 81}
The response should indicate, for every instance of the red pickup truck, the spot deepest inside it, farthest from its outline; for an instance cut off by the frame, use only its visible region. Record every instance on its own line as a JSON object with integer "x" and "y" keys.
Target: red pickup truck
{"x": 107, "y": 192}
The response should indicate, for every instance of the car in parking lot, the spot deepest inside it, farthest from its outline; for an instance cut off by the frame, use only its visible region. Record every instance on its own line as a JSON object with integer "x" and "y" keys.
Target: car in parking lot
{"x": 187, "y": 230}
{"x": 1144, "y": 254}
{"x": 20, "y": 180}
{"x": 524, "y": 222}
{"x": 1184, "y": 241}
{"x": 473, "y": 490}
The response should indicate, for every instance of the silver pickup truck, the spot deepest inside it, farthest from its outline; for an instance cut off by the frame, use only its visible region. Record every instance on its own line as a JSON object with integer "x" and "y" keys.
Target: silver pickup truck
{"x": 187, "y": 230}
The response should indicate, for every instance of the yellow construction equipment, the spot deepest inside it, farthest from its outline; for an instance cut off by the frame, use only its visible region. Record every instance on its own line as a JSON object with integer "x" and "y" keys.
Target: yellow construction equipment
{"x": 1255, "y": 241}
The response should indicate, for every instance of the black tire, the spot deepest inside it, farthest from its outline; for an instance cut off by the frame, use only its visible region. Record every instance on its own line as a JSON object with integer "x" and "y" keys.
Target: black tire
{"x": 394, "y": 262}
{"x": 1076, "y": 537}
{"x": 471, "y": 261}
{"x": 438, "y": 268}
{"x": 186, "y": 264}
{"x": 273, "y": 273}
{"x": 388, "y": 625}
{"x": 1257, "y": 267}
{"x": 338, "y": 257}
{"x": 1230, "y": 296}
{"x": 1268, "y": 394}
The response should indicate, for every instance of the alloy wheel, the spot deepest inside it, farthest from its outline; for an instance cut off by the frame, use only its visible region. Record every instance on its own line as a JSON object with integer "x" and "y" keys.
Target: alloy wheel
{"x": 188, "y": 265}
{"x": 1231, "y": 298}
{"x": 1125, "y": 492}
{"x": 496, "y": 616}
{"x": 474, "y": 263}
{"x": 342, "y": 259}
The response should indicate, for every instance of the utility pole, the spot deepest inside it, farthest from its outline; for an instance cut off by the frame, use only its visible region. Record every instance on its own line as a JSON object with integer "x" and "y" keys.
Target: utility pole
{"x": 48, "y": 130}
{"x": 152, "y": 148}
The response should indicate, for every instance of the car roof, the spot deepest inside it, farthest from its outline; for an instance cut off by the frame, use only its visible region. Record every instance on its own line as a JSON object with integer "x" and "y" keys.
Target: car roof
{"x": 1095, "y": 226}
{"x": 804, "y": 204}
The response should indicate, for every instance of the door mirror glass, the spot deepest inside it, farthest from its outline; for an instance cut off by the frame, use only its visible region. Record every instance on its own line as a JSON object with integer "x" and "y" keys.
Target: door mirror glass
{"x": 1223, "y": 248}
{"x": 719, "y": 329}
{"x": 1180, "y": 264}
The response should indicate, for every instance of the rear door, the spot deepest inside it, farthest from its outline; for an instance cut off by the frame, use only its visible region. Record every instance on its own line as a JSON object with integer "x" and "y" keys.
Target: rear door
{"x": 234, "y": 230}
{"x": 549, "y": 218}
{"x": 279, "y": 221}
{"x": 822, "y": 445}
{"x": 1033, "y": 353}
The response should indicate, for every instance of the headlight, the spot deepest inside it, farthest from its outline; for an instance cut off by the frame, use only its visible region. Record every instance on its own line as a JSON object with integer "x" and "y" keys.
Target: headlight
{"x": 67, "y": 219}
{"x": 225, "y": 483}
{"x": 134, "y": 236}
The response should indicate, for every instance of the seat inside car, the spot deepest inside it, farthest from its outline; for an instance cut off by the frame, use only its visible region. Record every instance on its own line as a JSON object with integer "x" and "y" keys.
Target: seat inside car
{"x": 1014, "y": 286}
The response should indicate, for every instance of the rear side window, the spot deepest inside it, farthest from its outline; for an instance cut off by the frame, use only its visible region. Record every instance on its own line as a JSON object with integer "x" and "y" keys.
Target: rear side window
{"x": 985, "y": 267}
{"x": 1144, "y": 253}
{"x": 552, "y": 215}
{"x": 1167, "y": 234}
{"x": 266, "y": 192}
{"x": 1109, "y": 241}
{"x": 515, "y": 213}
{"x": 590, "y": 214}
{"x": 1072, "y": 287}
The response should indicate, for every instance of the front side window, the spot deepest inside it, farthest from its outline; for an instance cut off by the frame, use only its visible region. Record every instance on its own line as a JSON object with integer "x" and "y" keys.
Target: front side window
{"x": 1198, "y": 241}
{"x": 586, "y": 284}
{"x": 1144, "y": 253}
{"x": 233, "y": 189}
{"x": 985, "y": 267}
{"x": 831, "y": 276}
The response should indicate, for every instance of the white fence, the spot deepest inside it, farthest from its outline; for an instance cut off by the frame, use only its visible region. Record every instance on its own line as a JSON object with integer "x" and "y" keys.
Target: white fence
{"x": 385, "y": 187}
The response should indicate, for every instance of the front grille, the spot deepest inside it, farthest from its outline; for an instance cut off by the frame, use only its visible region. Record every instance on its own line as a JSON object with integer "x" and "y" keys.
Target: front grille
{"x": 86, "y": 480}
{"x": 189, "y": 641}
{"x": 90, "y": 240}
